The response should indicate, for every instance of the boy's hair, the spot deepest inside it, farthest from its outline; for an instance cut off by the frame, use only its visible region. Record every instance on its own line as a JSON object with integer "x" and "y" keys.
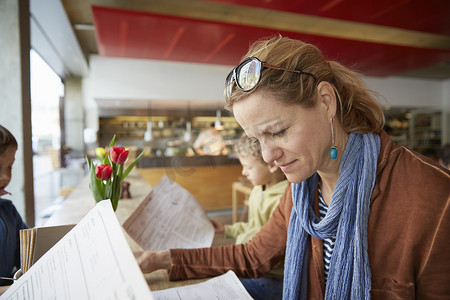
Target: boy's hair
{"x": 248, "y": 147}
{"x": 6, "y": 139}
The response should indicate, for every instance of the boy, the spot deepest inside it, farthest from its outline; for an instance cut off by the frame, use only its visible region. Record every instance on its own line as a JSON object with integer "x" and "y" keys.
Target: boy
{"x": 10, "y": 220}
{"x": 269, "y": 185}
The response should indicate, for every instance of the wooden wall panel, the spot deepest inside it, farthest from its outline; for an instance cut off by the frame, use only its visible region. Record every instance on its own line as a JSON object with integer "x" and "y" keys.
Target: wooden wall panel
{"x": 211, "y": 185}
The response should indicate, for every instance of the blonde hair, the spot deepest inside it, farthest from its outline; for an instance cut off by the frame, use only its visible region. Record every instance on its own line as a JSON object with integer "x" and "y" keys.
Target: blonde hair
{"x": 357, "y": 110}
{"x": 246, "y": 146}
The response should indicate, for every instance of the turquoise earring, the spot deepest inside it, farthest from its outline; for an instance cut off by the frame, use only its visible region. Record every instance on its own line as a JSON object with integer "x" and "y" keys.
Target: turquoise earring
{"x": 333, "y": 151}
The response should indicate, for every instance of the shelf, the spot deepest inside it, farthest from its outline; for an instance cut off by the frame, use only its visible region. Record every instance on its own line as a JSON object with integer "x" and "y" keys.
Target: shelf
{"x": 165, "y": 129}
{"x": 426, "y": 132}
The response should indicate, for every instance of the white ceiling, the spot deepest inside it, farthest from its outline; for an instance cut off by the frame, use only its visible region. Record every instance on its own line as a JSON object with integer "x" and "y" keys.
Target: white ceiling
{"x": 53, "y": 38}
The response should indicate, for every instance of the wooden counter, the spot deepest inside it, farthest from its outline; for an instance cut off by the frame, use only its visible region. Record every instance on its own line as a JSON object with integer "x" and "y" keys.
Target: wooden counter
{"x": 210, "y": 185}
{"x": 185, "y": 162}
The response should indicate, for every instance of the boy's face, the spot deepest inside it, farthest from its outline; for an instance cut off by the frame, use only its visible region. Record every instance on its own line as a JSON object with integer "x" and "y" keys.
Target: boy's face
{"x": 6, "y": 162}
{"x": 257, "y": 172}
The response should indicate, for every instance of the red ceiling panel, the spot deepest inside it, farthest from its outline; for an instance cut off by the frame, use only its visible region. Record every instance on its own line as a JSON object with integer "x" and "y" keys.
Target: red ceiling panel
{"x": 430, "y": 16}
{"x": 124, "y": 33}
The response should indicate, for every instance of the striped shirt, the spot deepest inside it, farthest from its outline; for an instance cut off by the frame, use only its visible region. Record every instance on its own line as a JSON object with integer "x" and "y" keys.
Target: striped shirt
{"x": 328, "y": 244}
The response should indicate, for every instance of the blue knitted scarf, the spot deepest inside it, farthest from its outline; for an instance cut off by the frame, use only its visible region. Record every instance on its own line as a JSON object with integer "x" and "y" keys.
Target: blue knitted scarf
{"x": 347, "y": 217}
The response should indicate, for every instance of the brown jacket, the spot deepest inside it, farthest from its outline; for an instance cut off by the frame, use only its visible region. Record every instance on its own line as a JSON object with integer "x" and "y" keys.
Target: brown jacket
{"x": 408, "y": 235}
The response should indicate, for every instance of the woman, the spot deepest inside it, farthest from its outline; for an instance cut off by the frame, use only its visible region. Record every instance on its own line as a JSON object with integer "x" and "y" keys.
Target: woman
{"x": 363, "y": 218}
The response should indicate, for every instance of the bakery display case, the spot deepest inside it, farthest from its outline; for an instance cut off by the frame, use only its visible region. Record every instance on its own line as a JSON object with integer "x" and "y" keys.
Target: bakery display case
{"x": 419, "y": 129}
{"x": 164, "y": 136}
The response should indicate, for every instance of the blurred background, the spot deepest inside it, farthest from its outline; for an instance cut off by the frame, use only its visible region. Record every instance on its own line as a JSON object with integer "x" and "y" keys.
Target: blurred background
{"x": 152, "y": 73}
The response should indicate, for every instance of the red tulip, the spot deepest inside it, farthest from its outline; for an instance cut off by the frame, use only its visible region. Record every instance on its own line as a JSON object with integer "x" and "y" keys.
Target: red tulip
{"x": 103, "y": 172}
{"x": 118, "y": 154}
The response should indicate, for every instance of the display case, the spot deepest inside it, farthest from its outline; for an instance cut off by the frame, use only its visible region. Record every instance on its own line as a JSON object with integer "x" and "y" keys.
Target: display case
{"x": 163, "y": 135}
{"x": 418, "y": 129}
{"x": 397, "y": 125}
{"x": 426, "y": 131}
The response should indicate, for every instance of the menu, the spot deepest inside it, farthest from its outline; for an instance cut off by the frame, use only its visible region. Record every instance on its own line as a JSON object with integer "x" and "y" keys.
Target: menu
{"x": 92, "y": 261}
{"x": 34, "y": 242}
{"x": 170, "y": 217}
{"x": 223, "y": 287}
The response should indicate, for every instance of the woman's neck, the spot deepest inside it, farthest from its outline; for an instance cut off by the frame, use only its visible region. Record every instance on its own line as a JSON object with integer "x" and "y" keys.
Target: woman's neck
{"x": 327, "y": 184}
{"x": 329, "y": 177}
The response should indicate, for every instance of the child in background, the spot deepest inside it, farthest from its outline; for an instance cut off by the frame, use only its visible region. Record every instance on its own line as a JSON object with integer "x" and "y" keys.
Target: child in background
{"x": 10, "y": 220}
{"x": 269, "y": 185}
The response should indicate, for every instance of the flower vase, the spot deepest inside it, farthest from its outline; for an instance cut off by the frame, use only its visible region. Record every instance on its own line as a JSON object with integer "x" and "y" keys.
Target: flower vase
{"x": 106, "y": 178}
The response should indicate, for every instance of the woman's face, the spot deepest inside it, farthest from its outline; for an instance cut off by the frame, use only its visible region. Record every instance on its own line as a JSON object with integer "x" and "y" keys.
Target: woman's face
{"x": 297, "y": 139}
{"x": 6, "y": 162}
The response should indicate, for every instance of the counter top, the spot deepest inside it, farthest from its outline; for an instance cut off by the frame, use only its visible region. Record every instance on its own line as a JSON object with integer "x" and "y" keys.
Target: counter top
{"x": 80, "y": 201}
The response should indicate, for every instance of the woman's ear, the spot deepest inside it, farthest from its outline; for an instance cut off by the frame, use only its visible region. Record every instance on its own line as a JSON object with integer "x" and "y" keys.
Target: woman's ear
{"x": 272, "y": 167}
{"x": 328, "y": 97}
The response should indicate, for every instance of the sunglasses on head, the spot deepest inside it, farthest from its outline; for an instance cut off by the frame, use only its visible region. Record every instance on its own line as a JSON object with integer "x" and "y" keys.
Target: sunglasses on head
{"x": 248, "y": 74}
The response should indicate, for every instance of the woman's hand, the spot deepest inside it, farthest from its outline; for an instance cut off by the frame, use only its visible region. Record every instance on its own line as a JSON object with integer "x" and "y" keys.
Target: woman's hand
{"x": 150, "y": 261}
{"x": 218, "y": 227}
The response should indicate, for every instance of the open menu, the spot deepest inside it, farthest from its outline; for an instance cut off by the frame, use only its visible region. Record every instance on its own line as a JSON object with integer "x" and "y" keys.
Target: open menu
{"x": 92, "y": 261}
{"x": 170, "y": 217}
